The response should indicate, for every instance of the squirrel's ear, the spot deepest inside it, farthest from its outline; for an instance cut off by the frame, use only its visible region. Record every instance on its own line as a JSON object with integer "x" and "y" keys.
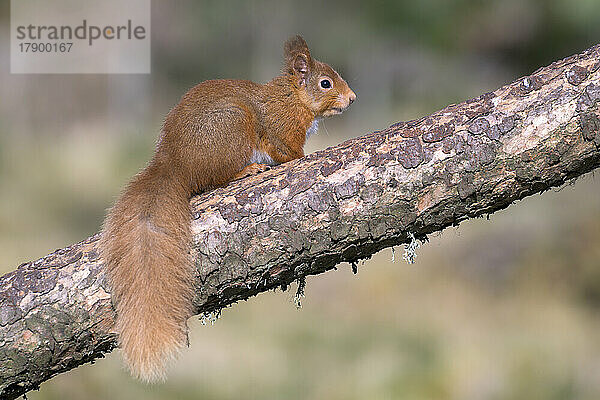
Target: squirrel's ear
{"x": 297, "y": 58}
{"x": 295, "y": 45}
{"x": 301, "y": 68}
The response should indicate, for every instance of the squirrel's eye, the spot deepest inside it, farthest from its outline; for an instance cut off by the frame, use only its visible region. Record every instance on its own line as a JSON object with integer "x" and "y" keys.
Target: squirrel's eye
{"x": 325, "y": 84}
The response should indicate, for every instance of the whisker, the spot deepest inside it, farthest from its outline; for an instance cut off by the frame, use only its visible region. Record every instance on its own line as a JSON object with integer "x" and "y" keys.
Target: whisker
{"x": 325, "y": 127}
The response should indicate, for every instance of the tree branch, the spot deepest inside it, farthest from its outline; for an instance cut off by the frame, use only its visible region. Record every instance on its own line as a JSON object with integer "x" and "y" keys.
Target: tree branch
{"x": 340, "y": 204}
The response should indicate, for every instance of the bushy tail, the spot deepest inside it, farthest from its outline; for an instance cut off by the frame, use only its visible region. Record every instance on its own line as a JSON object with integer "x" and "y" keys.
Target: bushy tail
{"x": 145, "y": 248}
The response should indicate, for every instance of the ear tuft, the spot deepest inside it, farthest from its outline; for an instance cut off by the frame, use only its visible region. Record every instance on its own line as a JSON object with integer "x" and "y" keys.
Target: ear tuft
{"x": 296, "y": 57}
{"x": 295, "y": 45}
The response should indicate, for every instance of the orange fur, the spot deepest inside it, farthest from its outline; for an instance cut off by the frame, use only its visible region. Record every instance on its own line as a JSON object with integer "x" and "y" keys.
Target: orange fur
{"x": 218, "y": 132}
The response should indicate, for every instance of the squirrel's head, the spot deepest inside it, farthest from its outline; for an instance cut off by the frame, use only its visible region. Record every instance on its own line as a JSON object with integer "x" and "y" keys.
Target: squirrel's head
{"x": 321, "y": 88}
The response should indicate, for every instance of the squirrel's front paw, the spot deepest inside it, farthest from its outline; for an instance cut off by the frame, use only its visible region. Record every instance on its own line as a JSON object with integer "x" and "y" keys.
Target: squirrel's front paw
{"x": 252, "y": 169}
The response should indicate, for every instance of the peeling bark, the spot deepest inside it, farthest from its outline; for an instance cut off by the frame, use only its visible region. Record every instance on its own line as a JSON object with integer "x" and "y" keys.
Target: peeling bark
{"x": 341, "y": 204}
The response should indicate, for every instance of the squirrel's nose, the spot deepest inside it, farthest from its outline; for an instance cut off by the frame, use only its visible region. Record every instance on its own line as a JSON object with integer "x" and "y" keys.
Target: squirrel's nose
{"x": 352, "y": 97}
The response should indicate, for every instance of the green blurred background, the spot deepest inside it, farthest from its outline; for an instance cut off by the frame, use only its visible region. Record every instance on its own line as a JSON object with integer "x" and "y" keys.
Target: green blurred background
{"x": 505, "y": 308}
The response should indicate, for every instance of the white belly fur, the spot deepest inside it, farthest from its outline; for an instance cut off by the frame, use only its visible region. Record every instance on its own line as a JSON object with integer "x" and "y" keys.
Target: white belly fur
{"x": 313, "y": 128}
{"x": 260, "y": 157}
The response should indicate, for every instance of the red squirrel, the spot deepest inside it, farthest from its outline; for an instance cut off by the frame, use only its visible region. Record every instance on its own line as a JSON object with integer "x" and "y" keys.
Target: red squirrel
{"x": 220, "y": 131}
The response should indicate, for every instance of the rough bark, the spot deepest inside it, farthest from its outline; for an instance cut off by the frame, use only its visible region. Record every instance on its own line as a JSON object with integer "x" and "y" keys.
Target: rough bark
{"x": 341, "y": 204}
